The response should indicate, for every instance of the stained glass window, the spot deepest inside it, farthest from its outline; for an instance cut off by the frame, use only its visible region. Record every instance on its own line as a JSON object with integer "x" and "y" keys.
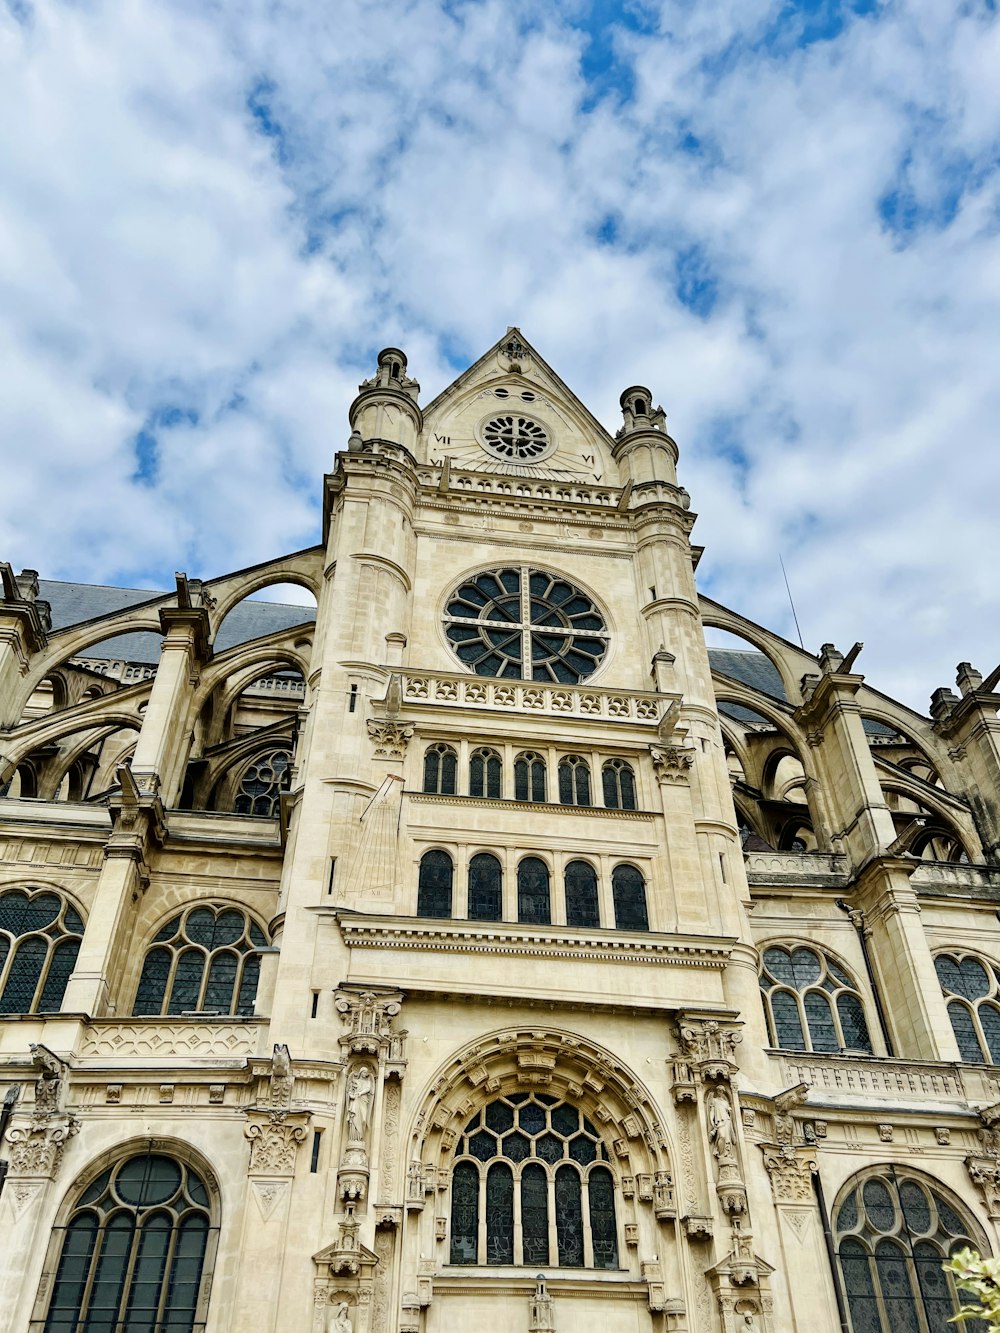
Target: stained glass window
{"x": 629, "y": 890}
{"x": 532, "y": 1152}
{"x": 485, "y": 774}
{"x": 533, "y": 891}
{"x": 529, "y": 777}
{"x": 485, "y": 888}
{"x": 40, "y": 937}
{"x": 262, "y": 782}
{"x": 133, "y": 1252}
{"x": 580, "y": 880}
{"x": 574, "y": 780}
{"x": 618, "y": 781}
{"x": 894, "y": 1231}
{"x": 204, "y": 960}
{"x": 810, "y": 1002}
{"x": 440, "y": 770}
{"x": 434, "y": 885}
{"x": 972, "y": 990}
{"x": 523, "y": 623}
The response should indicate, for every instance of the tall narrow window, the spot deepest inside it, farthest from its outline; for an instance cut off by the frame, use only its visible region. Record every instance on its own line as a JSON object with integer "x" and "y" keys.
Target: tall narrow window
{"x": 464, "y": 1213}
{"x": 485, "y": 774}
{"x": 440, "y": 770}
{"x": 618, "y": 781}
{"x": 569, "y": 1217}
{"x": 580, "y": 880}
{"x": 133, "y": 1252}
{"x": 603, "y": 1229}
{"x": 533, "y": 904}
{"x": 205, "y": 960}
{"x": 972, "y": 989}
{"x": 529, "y": 777}
{"x": 500, "y": 1214}
{"x": 485, "y": 888}
{"x": 574, "y": 780}
{"x": 262, "y": 782}
{"x": 535, "y": 1214}
{"x": 810, "y": 1002}
{"x": 40, "y": 936}
{"x": 629, "y": 890}
{"x": 435, "y": 884}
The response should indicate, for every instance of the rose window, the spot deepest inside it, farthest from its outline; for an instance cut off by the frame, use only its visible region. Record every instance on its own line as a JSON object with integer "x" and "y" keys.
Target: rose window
{"x": 516, "y": 438}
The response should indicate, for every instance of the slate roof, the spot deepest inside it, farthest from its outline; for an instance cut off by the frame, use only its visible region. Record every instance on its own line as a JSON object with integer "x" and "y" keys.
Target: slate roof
{"x": 750, "y": 667}
{"x": 73, "y": 603}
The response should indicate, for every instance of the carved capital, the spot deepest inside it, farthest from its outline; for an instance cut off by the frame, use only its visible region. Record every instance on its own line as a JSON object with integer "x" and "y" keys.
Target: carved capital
{"x": 791, "y": 1171}
{"x": 369, "y": 1022}
{"x": 389, "y": 738}
{"x": 984, "y": 1172}
{"x": 672, "y": 763}
{"x": 36, "y": 1149}
{"x": 708, "y": 1051}
{"x": 274, "y": 1141}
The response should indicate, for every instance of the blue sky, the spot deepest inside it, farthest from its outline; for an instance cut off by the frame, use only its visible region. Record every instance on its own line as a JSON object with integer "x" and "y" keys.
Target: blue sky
{"x": 783, "y": 217}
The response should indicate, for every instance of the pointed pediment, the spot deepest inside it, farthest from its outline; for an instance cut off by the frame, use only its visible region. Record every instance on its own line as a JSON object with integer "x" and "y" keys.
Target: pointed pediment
{"x": 334, "y": 1254}
{"x": 511, "y": 414}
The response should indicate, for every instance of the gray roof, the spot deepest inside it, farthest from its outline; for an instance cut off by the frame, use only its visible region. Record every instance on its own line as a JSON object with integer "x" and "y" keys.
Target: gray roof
{"x": 750, "y": 667}
{"x": 74, "y": 603}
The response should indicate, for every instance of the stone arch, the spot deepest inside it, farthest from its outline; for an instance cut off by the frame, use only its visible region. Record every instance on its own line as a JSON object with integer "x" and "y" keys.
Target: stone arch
{"x": 246, "y": 586}
{"x": 791, "y": 662}
{"x": 955, "y": 823}
{"x": 75, "y": 639}
{"x": 169, "y": 1146}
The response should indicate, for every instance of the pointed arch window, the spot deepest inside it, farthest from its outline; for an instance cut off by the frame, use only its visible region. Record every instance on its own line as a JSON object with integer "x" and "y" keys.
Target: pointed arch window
{"x": 262, "y": 783}
{"x": 811, "y": 1003}
{"x": 529, "y": 777}
{"x": 629, "y": 890}
{"x": 580, "y": 881}
{"x": 485, "y": 774}
{"x": 618, "y": 781}
{"x": 40, "y": 937}
{"x": 205, "y": 960}
{"x": 440, "y": 770}
{"x": 485, "y": 888}
{"x": 528, "y": 1158}
{"x": 135, "y": 1252}
{"x": 971, "y": 987}
{"x": 434, "y": 886}
{"x": 533, "y": 898}
{"x": 574, "y": 780}
{"x": 894, "y": 1230}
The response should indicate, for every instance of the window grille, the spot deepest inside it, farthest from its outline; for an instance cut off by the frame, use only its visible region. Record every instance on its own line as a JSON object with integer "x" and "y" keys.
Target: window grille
{"x": 262, "y": 782}
{"x": 485, "y": 888}
{"x": 972, "y": 990}
{"x": 811, "y": 1003}
{"x": 580, "y": 881}
{"x": 536, "y": 1170}
{"x": 618, "y": 781}
{"x": 440, "y": 770}
{"x": 485, "y": 774}
{"x": 574, "y": 781}
{"x": 40, "y": 937}
{"x": 434, "y": 886}
{"x": 533, "y": 905}
{"x": 629, "y": 890}
{"x": 529, "y": 777}
{"x": 204, "y": 960}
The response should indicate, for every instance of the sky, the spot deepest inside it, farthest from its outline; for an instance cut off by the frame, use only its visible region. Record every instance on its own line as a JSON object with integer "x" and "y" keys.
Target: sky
{"x": 781, "y": 215}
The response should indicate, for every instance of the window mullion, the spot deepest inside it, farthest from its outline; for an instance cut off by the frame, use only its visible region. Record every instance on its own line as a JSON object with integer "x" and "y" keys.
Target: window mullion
{"x": 588, "y": 1239}
{"x": 525, "y": 622}
{"x": 481, "y": 1240}
{"x": 168, "y": 1260}
{"x": 550, "y": 1179}
{"x": 518, "y": 1226}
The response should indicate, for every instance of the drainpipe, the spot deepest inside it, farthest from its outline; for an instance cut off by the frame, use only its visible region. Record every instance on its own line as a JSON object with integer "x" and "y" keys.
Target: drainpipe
{"x": 857, "y": 921}
{"x": 831, "y": 1254}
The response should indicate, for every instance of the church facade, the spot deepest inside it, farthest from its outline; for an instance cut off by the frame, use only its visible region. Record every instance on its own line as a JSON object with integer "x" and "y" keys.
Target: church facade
{"x": 482, "y": 949}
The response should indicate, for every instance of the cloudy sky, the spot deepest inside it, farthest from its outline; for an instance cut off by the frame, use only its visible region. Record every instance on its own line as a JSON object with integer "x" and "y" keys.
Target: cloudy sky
{"x": 783, "y": 217}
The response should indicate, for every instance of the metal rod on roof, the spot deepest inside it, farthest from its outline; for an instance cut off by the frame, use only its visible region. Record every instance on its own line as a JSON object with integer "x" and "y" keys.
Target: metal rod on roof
{"x": 790, "y": 601}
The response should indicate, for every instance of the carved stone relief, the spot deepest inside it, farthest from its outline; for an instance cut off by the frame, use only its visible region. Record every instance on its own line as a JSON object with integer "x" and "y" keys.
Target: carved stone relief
{"x": 274, "y": 1137}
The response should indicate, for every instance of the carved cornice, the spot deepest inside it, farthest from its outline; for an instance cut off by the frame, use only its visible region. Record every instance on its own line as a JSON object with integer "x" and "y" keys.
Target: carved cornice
{"x": 550, "y": 807}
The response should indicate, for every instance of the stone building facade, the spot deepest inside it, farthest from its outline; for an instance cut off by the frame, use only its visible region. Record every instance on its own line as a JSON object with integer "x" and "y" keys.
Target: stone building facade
{"x": 483, "y": 951}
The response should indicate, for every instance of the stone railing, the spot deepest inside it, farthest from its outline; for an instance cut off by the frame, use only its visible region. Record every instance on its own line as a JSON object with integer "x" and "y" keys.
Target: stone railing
{"x": 957, "y": 877}
{"x": 171, "y": 1039}
{"x": 531, "y": 697}
{"x": 797, "y": 867}
{"x": 521, "y": 488}
{"x": 277, "y": 685}
{"x": 874, "y": 1079}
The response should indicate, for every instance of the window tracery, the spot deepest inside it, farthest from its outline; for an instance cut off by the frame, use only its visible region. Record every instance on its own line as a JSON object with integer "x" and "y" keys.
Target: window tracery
{"x": 618, "y": 781}
{"x": 485, "y": 774}
{"x": 574, "y": 780}
{"x": 629, "y": 891}
{"x": 40, "y": 937}
{"x": 434, "y": 884}
{"x": 535, "y": 1170}
{"x": 810, "y": 1002}
{"x": 440, "y": 770}
{"x": 971, "y": 987}
{"x": 262, "y": 783}
{"x": 205, "y": 960}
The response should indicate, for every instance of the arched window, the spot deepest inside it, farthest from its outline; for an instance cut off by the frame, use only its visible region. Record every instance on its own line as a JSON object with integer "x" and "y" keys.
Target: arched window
{"x": 485, "y": 774}
{"x": 574, "y": 780}
{"x": 203, "y": 961}
{"x": 529, "y": 777}
{"x": 133, "y": 1252}
{"x": 485, "y": 888}
{"x": 434, "y": 885}
{"x": 894, "y": 1230}
{"x": 629, "y": 889}
{"x": 618, "y": 780}
{"x": 811, "y": 1003}
{"x": 531, "y": 1156}
{"x": 533, "y": 904}
{"x": 580, "y": 880}
{"x": 40, "y": 937}
{"x": 972, "y": 990}
{"x": 262, "y": 782}
{"x": 440, "y": 770}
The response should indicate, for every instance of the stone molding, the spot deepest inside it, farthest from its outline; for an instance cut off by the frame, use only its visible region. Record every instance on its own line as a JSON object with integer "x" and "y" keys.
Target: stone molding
{"x": 170, "y": 1038}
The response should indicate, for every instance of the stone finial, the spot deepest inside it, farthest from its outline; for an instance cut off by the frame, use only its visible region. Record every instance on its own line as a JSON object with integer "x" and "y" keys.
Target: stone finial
{"x": 967, "y": 678}
{"x": 943, "y": 703}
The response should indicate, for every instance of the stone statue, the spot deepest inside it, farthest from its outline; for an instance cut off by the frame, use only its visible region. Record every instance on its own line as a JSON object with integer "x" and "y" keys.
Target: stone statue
{"x": 749, "y": 1323}
{"x": 340, "y": 1321}
{"x": 281, "y": 1064}
{"x": 360, "y": 1096}
{"x": 720, "y": 1126}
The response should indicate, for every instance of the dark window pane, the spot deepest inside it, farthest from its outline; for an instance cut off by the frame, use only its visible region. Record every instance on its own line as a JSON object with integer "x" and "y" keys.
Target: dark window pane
{"x": 221, "y": 981}
{"x": 248, "y": 985}
{"x": 629, "y": 891}
{"x": 535, "y": 1215}
{"x": 856, "y": 1267}
{"x": 186, "y": 990}
{"x": 516, "y": 1147}
{"x": 965, "y": 1032}
{"x": 434, "y": 885}
{"x": 185, "y": 1276}
{"x": 64, "y": 957}
{"x": 895, "y": 1278}
{"x": 449, "y": 772}
{"x": 432, "y": 770}
{"x": 933, "y": 1284}
{"x": 779, "y": 964}
{"x": 565, "y": 1119}
{"x": 581, "y": 895}
{"x": 569, "y": 1217}
{"x": 71, "y": 1275}
{"x": 483, "y": 1146}
{"x": 500, "y": 1214}
{"x": 477, "y": 775}
{"x": 602, "y": 1218}
{"x": 109, "y": 1279}
{"x": 531, "y": 1119}
{"x": 148, "y": 1181}
{"x": 879, "y": 1205}
{"x": 847, "y": 1217}
{"x": 499, "y": 1117}
{"x": 537, "y": 780}
{"x": 153, "y": 982}
{"x": 147, "y": 1276}
{"x": 819, "y": 1017}
{"x": 989, "y": 1018}
{"x": 521, "y": 792}
{"x": 806, "y": 968}
{"x": 493, "y": 777}
{"x": 916, "y": 1208}
{"x": 21, "y": 915}
{"x": 200, "y": 927}
{"x": 853, "y": 1024}
{"x": 533, "y": 891}
{"x": 485, "y": 888}
{"x": 566, "y": 793}
{"x": 787, "y": 1025}
{"x": 22, "y": 978}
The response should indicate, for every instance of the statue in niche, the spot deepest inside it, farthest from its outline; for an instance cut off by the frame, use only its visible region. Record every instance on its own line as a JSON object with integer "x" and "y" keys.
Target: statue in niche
{"x": 340, "y": 1321}
{"x": 720, "y": 1126}
{"x": 360, "y": 1097}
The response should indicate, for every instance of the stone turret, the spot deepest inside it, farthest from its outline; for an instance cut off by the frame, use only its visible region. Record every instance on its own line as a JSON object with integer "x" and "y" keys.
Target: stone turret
{"x": 643, "y": 449}
{"x": 386, "y": 407}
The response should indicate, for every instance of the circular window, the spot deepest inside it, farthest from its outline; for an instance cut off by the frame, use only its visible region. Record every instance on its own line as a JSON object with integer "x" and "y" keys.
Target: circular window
{"x": 516, "y": 438}
{"x": 526, "y": 624}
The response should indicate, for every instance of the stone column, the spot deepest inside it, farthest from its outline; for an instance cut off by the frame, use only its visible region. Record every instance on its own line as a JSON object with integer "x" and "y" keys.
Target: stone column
{"x": 971, "y": 728}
